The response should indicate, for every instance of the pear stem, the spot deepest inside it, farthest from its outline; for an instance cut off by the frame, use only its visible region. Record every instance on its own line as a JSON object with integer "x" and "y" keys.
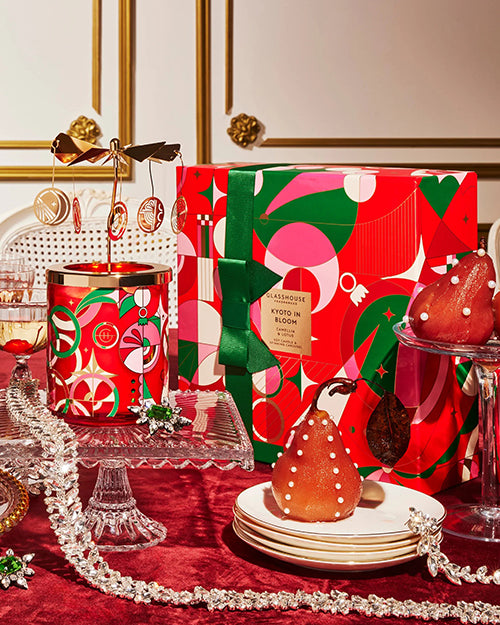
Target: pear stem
{"x": 345, "y": 386}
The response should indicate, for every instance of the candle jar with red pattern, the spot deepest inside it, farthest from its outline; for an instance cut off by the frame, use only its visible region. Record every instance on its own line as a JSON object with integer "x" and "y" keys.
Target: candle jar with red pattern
{"x": 107, "y": 339}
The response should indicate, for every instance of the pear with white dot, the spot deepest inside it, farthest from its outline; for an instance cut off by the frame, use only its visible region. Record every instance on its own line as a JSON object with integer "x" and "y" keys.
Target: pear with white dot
{"x": 320, "y": 466}
{"x": 457, "y": 308}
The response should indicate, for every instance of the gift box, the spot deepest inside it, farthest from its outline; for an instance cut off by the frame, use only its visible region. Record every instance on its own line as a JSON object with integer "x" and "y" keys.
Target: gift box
{"x": 292, "y": 275}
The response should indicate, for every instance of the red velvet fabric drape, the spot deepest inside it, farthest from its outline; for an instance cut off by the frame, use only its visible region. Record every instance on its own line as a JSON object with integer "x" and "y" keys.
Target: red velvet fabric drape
{"x": 202, "y": 549}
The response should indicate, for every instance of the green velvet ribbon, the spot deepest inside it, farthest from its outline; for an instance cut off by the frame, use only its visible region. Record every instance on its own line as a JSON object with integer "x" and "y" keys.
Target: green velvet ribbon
{"x": 243, "y": 280}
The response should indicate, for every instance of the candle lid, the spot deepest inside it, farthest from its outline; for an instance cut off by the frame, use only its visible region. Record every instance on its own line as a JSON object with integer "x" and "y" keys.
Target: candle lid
{"x": 112, "y": 275}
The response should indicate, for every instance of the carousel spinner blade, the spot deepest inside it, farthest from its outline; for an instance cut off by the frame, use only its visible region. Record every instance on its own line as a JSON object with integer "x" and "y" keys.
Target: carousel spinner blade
{"x": 154, "y": 151}
{"x": 70, "y": 150}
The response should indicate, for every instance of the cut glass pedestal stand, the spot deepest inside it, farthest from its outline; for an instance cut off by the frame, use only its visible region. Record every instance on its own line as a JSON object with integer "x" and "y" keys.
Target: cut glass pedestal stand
{"x": 215, "y": 438}
{"x": 112, "y": 514}
{"x": 481, "y": 520}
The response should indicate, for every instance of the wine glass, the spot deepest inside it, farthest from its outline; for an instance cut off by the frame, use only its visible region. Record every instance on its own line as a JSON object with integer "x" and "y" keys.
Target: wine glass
{"x": 23, "y": 327}
{"x": 481, "y": 520}
{"x": 15, "y": 277}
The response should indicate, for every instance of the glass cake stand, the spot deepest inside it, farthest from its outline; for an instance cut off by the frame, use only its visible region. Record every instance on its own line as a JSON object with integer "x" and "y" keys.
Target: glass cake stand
{"x": 480, "y": 521}
{"x": 215, "y": 438}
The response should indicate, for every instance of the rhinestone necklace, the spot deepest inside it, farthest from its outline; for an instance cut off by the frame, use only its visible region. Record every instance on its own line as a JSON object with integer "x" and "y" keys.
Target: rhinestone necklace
{"x": 66, "y": 519}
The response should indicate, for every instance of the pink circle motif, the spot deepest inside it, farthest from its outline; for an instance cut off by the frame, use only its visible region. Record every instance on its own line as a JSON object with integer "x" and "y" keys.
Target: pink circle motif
{"x": 301, "y": 245}
{"x": 267, "y": 382}
{"x": 94, "y": 389}
{"x": 119, "y": 221}
{"x": 150, "y": 214}
{"x": 140, "y": 347}
{"x": 286, "y": 252}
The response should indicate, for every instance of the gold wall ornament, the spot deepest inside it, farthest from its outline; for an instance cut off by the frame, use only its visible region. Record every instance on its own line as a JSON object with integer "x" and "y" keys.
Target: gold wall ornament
{"x": 244, "y": 129}
{"x": 85, "y": 129}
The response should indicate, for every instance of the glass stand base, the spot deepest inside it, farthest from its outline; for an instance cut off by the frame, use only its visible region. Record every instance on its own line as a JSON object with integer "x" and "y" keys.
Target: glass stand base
{"x": 122, "y": 527}
{"x": 113, "y": 517}
{"x": 476, "y": 522}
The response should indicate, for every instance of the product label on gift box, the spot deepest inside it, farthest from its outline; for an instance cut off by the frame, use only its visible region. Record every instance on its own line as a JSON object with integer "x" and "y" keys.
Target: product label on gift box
{"x": 286, "y": 321}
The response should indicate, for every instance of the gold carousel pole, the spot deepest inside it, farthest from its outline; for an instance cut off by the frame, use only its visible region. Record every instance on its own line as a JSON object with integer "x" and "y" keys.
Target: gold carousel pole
{"x": 114, "y": 146}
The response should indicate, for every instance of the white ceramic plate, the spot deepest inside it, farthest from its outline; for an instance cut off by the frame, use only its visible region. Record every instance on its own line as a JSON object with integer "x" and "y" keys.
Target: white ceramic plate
{"x": 380, "y": 517}
{"x": 324, "y": 545}
{"x": 375, "y": 555}
{"x": 324, "y": 565}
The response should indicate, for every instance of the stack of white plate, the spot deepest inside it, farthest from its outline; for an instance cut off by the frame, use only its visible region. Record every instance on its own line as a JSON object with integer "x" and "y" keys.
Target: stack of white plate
{"x": 375, "y": 536}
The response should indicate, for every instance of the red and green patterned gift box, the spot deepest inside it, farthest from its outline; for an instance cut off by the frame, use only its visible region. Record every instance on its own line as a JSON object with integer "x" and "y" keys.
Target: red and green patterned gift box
{"x": 290, "y": 275}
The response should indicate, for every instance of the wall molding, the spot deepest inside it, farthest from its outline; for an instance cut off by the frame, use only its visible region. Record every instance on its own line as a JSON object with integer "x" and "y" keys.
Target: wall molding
{"x": 203, "y": 77}
{"x": 485, "y": 170}
{"x": 126, "y": 13}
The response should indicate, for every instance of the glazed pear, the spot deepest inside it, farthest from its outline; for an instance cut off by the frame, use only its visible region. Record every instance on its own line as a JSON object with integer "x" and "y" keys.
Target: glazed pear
{"x": 315, "y": 479}
{"x": 457, "y": 308}
{"x": 496, "y": 313}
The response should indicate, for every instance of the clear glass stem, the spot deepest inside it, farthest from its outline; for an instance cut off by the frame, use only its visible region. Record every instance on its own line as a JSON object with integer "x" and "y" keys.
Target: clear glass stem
{"x": 489, "y": 435}
{"x": 112, "y": 485}
{"x": 21, "y": 370}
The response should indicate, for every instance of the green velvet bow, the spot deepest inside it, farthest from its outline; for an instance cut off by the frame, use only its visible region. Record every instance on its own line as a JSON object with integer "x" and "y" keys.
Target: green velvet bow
{"x": 243, "y": 280}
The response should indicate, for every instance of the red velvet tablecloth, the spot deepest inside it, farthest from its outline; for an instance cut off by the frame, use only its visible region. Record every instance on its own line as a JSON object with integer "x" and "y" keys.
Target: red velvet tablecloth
{"x": 202, "y": 549}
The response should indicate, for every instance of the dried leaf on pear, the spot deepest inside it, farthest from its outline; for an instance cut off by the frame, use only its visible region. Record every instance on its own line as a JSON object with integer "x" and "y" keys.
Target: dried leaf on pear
{"x": 388, "y": 430}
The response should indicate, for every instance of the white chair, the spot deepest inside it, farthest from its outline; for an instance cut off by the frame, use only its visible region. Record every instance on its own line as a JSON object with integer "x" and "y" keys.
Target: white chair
{"x": 43, "y": 246}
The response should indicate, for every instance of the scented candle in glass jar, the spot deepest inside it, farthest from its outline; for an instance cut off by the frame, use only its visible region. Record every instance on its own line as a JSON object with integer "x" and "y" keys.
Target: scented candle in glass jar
{"x": 107, "y": 339}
